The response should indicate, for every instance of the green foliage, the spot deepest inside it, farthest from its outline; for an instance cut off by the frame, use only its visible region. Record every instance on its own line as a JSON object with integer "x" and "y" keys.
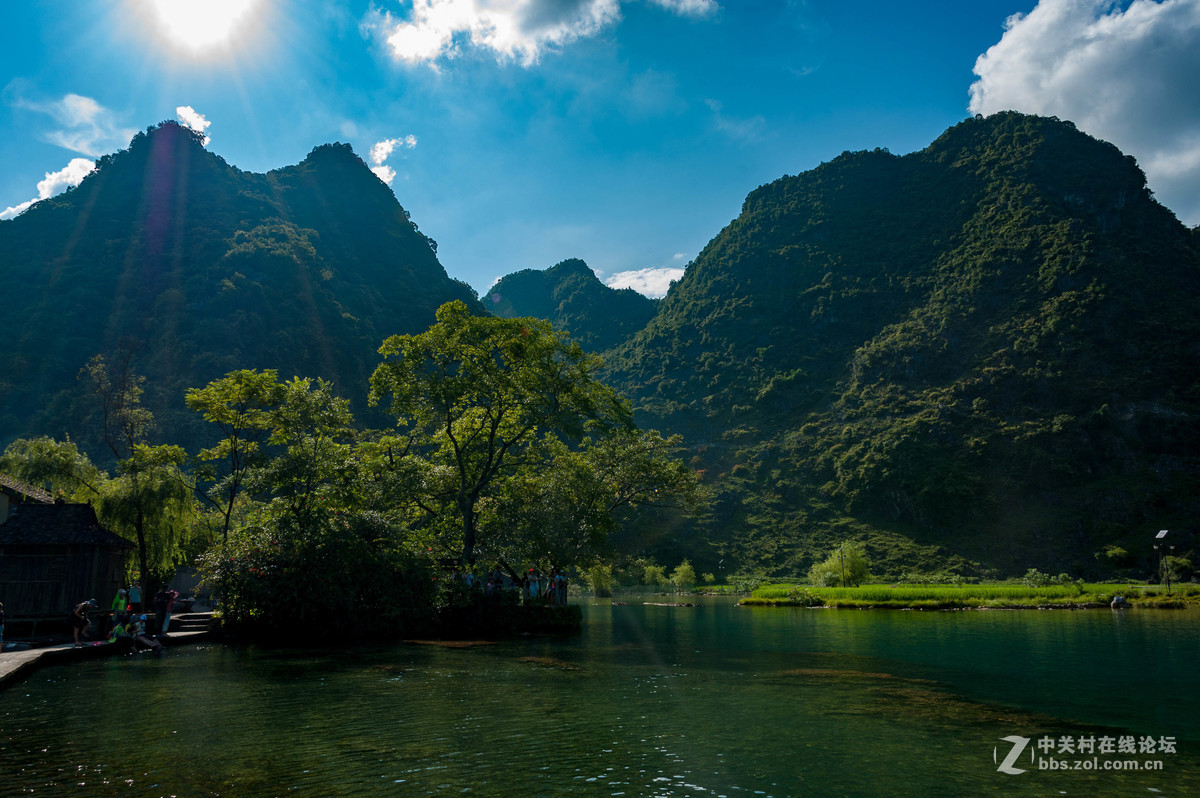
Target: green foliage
{"x": 572, "y": 298}
{"x": 1035, "y": 578}
{"x": 1113, "y": 555}
{"x": 328, "y": 574}
{"x": 800, "y": 597}
{"x": 846, "y": 565}
{"x": 240, "y": 404}
{"x": 1177, "y": 568}
{"x": 305, "y": 270}
{"x": 946, "y": 354}
{"x": 599, "y": 579}
{"x": 655, "y": 575}
{"x": 746, "y": 583}
{"x": 150, "y": 502}
{"x": 486, "y": 399}
{"x": 56, "y": 466}
{"x": 974, "y": 358}
{"x": 951, "y": 596}
{"x": 684, "y": 576}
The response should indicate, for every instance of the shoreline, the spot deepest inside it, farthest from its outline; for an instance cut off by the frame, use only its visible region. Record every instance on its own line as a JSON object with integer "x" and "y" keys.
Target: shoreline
{"x": 16, "y": 666}
{"x": 959, "y": 606}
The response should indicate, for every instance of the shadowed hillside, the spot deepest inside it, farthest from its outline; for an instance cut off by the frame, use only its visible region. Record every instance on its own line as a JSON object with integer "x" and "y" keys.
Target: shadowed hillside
{"x": 199, "y": 268}
{"x": 571, "y": 297}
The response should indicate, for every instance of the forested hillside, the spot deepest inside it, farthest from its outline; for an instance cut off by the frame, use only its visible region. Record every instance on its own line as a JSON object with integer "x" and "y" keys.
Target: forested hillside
{"x": 570, "y": 296}
{"x": 982, "y": 355}
{"x": 199, "y": 268}
{"x": 979, "y": 357}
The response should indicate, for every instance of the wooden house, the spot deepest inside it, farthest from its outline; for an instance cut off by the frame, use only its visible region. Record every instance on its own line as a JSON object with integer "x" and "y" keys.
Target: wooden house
{"x": 54, "y": 555}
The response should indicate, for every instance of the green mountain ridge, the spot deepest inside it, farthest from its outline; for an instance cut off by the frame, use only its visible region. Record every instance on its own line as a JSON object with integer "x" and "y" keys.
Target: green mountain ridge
{"x": 572, "y": 298}
{"x": 981, "y": 356}
{"x": 200, "y": 268}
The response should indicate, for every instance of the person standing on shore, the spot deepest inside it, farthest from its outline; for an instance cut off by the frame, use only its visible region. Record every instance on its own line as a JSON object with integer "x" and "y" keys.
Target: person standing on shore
{"x": 119, "y": 603}
{"x": 164, "y": 601}
{"x": 80, "y": 620}
{"x": 135, "y": 597}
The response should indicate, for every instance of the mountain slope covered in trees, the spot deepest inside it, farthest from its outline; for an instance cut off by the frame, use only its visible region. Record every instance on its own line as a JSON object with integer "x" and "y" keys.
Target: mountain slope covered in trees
{"x": 199, "y": 268}
{"x": 572, "y": 298}
{"x": 982, "y": 355}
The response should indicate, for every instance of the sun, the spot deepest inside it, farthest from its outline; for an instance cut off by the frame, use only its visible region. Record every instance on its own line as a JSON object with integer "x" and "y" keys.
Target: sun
{"x": 202, "y": 24}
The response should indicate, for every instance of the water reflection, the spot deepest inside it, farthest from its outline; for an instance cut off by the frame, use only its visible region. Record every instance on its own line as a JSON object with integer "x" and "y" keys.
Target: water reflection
{"x": 648, "y": 701}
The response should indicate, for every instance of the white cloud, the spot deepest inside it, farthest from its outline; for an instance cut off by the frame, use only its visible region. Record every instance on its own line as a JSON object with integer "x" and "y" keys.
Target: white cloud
{"x": 691, "y": 8}
{"x": 382, "y": 150}
{"x": 13, "y": 211}
{"x": 193, "y": 121}
{"x": 1126, "y": 76}
{"x": 54, "y": 183}
{"x": 747, "y": 129}
{"x": 87, "y": 127}
{"x": 385, "y": 173}
{"x": 511, "y": 29}
{"x": 653, "y": 281}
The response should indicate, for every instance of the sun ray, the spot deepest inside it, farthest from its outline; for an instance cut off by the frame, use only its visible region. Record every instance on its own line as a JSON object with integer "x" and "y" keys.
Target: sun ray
{"x": 202, "y": 25}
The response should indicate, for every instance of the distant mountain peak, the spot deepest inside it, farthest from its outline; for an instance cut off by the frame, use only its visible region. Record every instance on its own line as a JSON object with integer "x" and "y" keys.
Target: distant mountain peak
{"x": 571, "y": 296}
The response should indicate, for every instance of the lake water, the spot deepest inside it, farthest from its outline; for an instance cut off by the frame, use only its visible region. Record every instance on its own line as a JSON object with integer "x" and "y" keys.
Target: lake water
{"x": 648, "y": 701}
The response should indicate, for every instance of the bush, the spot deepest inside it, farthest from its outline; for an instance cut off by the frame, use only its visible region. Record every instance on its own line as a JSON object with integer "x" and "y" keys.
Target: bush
{"x": 599, "y": 579}
{"x": 846, "y": 565}
{"x": 654, "y": 575}
{"x": 336, "y": 575}
{"x": 684, "y": 576}
{"x": 745, "y": 583}
{"x": 1035, "y": 578}
{"x": 803, "y": 598}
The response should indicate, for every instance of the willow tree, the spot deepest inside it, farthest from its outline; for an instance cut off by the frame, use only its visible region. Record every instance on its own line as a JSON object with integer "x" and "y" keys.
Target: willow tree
{"x": 478, "y": 395}
{"x": 150, "y": 499}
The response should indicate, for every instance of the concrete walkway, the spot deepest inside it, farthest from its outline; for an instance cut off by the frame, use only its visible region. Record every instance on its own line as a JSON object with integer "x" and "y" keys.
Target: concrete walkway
{"x": 17, "y": 665}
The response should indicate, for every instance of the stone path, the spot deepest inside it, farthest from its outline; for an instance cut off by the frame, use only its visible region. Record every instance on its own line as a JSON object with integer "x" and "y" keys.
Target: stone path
{"x": 16, "y": 665}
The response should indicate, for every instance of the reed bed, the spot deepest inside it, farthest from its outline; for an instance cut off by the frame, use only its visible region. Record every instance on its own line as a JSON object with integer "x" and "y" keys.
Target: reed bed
{"x": 962, "y": 596}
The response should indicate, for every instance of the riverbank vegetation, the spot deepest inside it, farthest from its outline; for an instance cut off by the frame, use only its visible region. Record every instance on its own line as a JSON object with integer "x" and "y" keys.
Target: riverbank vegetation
{"x": 508, "y": 460}
{"x": 978, "y": 596}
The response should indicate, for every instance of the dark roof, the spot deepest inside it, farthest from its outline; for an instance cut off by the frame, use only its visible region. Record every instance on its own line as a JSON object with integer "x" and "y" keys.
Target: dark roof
{"x": 42, "y": 524}
{"x": 30, "y": 492}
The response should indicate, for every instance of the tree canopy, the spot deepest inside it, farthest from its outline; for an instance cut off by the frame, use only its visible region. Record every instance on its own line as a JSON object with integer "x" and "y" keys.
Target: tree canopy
{"x": 482, "y": 398}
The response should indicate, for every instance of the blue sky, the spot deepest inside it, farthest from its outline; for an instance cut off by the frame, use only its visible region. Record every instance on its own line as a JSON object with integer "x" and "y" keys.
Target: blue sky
{"x": 627, "y": 133}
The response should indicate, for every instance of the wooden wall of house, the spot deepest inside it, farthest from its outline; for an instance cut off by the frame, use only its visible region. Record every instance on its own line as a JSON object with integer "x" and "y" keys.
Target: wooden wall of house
{"x": 47, "y": 581}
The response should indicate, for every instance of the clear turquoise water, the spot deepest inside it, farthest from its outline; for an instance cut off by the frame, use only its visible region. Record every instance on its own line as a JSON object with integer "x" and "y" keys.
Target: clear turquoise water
{"x": 648, "y": 701}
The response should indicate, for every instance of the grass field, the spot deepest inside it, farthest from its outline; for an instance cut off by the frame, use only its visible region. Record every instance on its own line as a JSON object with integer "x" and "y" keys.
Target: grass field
{"x": 973, "y": 596}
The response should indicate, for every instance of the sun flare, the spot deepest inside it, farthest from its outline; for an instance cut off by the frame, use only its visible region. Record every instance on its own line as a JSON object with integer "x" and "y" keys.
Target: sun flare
{"x": 204, "y": 24}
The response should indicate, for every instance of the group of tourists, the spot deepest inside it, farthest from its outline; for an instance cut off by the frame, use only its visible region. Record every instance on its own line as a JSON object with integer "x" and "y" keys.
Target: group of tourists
{"x": 129, "y": 632}
{"x": 534, "y": 587}
{"x": 548, "y": 588}
{"x": 126, "y": 625}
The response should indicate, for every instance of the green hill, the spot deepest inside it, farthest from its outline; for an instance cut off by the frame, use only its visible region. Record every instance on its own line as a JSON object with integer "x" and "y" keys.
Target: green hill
{"x": 200, "y": 268}
{"x": 981, "y": 355}
{"x": 571, "y": 297}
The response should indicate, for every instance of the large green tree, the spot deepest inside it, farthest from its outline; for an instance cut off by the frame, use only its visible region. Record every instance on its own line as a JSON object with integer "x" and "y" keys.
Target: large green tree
{"x": 240, "y": 404}
{"x": 478, "y": 396}
{"x": 563, "y": 515}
